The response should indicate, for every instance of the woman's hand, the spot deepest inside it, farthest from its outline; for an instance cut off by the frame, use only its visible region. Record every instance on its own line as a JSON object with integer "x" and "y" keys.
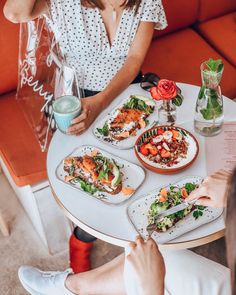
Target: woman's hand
{"x": 91, "y": 108}
{"x": 144, "y": 271}
{"x": 212, "y": 191}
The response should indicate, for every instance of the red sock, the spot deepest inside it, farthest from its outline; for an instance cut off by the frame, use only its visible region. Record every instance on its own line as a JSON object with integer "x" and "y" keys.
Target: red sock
{"x": 80, "y": 255}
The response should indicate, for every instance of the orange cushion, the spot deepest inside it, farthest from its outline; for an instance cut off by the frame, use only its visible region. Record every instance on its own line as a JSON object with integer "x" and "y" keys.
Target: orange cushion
{"x": 213, "y": 8}
{"x": 178, "y": 57}
{"x": 19, "y": 148}
{"x": 221, "y": 34}
{"x": 180, "y": 14}
{"x": 9, "y": 44}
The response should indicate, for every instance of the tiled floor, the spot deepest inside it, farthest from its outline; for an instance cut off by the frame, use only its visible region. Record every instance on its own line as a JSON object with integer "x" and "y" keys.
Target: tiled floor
{"x": 24, "y": 246}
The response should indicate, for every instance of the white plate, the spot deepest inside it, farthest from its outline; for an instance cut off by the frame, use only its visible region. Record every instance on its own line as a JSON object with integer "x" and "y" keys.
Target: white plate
{"x": 133, "y": 175}
{"x": 137, "y": 213}
{"x": 129, "y": 142}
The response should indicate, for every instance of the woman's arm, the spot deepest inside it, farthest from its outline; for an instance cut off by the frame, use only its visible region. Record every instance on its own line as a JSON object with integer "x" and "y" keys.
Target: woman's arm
{"x": 93, "y": 106}
{"x": 19, "y": 11}
{"x": 144, "y": 268}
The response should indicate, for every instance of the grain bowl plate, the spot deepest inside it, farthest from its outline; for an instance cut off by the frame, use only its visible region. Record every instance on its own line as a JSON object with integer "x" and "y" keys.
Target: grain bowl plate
{"x": 166, "y": 149}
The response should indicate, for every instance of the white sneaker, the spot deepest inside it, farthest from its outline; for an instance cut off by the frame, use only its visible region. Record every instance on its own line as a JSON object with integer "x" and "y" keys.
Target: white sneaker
{"x": 38, "y": 282}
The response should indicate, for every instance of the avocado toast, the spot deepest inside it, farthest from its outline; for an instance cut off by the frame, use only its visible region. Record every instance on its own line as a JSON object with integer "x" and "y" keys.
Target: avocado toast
{"x": 168, "y": 198}
{"x": 94, "y": 172}
{"x": 124, "y": 121}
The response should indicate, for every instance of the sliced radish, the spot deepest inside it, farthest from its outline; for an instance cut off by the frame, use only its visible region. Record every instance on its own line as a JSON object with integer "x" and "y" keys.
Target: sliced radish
{"x": 167, "y": 135}
{"x": 157, "y": 139}
{"x": 165, "y": 146}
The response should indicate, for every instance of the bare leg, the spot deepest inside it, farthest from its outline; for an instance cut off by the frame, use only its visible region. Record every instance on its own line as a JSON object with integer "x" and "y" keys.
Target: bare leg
{"x": 104, "y": 280}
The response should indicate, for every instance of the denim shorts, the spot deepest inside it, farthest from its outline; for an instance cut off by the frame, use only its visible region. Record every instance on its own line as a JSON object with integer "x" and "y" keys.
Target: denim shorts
{"x": 91, "y": 92}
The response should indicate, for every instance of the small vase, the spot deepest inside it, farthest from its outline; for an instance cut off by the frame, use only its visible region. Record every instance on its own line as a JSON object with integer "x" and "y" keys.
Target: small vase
{"x": 167, "y": 113}
{"x": 208, "y": 120}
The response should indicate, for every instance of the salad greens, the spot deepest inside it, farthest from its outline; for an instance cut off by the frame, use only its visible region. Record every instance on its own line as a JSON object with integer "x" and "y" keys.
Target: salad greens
{"x": 198, "y": 212}
{"x": 87, "y": 187}
{"x": 190, "y": 187}
{"x": 101, "y": 173}
{"x": 138, "y": 104}
{"x": 104, "y": 130}
{"x": 170, "y": 198}
{"x": 102, "y": 165}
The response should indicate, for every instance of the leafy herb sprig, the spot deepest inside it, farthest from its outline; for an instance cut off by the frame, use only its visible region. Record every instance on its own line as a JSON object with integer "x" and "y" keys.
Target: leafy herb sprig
{"x": 138, "y": 104}
{"x": 215, "y": 65}
{"x": 104, "y": 130}
{"x": 198, "y": 212}
{"x": 85, "y": 186}
{"x": 209, "y": 90}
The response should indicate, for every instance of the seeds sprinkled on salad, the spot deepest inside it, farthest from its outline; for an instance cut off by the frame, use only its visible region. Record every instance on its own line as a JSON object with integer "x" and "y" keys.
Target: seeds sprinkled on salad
{"x": 94, "y": 172}
{"x": 166, "y": 148}
{"x": 168, "y": 198}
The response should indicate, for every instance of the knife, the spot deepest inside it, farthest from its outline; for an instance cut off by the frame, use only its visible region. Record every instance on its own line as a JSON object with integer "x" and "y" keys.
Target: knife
{"x": 152, "y": 227}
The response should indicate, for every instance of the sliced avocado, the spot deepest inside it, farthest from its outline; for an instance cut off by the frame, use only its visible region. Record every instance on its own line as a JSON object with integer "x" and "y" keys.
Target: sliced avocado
{"x": 159, "y": 207}
{"x": 117, "y": 179}
{"x": 147, "y": 100}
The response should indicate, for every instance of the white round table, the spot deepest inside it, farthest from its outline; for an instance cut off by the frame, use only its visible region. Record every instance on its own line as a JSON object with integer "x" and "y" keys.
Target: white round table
{"x": 111, "y": 223}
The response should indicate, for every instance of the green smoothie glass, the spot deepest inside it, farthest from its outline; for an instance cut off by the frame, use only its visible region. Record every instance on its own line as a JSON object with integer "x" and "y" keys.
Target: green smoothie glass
{"x": 65, "y": 109}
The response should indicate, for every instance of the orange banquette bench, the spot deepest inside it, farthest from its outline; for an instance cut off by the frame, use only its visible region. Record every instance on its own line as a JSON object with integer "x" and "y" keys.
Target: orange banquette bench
{"x": 198, "y": 29}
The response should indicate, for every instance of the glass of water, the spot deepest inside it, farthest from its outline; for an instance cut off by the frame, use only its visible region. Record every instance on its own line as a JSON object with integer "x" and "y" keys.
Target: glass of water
{"x": 209, "y": 117}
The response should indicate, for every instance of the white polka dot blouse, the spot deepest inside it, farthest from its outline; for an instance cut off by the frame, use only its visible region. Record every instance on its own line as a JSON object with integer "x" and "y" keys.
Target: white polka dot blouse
{"x": 84, "y": 40}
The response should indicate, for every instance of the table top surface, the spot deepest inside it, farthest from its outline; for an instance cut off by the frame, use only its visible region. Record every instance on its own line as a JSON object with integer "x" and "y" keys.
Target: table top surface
{"x": 111, "y": 223}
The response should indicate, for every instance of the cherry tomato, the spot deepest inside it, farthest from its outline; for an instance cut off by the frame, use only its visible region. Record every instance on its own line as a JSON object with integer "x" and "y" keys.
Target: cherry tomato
{"x": 160, "y": 131}
{"x": 143, "y": 150}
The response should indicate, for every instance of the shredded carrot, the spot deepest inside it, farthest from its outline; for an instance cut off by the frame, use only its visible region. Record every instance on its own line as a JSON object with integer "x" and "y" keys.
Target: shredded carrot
{"x": 163, "y": 192}
{"x": 184, "y": 193}
{"x": 128, "y": 191}
{"x": 162, "y": 199}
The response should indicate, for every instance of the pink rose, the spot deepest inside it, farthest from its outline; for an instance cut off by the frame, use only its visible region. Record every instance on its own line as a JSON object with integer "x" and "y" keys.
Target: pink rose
{"x": 165, "y": 90}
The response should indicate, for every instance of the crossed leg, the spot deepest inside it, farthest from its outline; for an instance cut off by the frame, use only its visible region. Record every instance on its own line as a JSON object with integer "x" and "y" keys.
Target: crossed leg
{"x": 104, "y": 280}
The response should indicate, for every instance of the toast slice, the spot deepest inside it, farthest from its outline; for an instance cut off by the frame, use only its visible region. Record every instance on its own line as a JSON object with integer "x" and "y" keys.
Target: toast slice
{"x": 89, "y": 170}
{"x": 126, "y": 120}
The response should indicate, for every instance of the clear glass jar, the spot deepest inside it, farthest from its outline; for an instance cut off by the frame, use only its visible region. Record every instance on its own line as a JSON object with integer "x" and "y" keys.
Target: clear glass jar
{"x": 167, "y": 113}
{"x": 209, "y": 116}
